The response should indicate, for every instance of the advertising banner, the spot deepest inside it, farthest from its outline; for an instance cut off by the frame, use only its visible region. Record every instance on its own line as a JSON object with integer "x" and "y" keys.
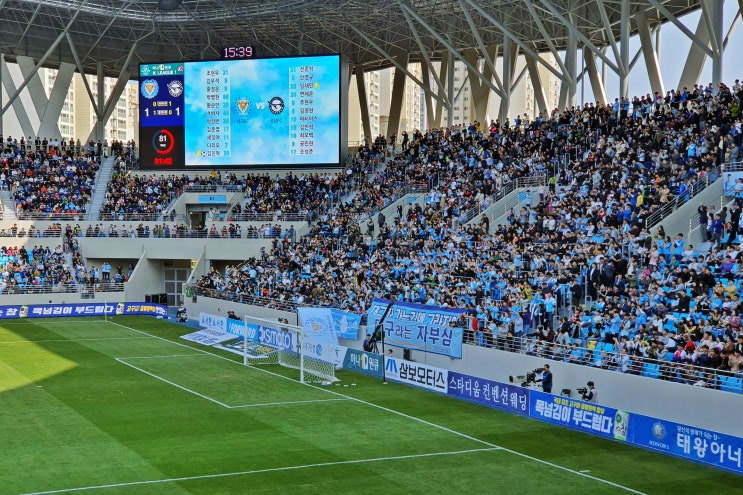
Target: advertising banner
{"x": 420, "y": 327}
{"x": 346, "y": 323}
{"x": 363, "y": 362}
{"x": 324, "y": 351}
{"x": 257, "y": 333}
{"x": 82, "y": 309}
{"x": 576, "y": 414}
{"x": 489, "y": 393}
{"x": 696, "y": 444}
{"x": 208, "y": 337}
{"x": 420, "y": 375}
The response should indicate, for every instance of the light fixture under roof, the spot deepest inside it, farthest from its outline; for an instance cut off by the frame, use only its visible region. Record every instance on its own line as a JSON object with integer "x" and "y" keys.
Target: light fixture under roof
{"x": 168, "y": 5}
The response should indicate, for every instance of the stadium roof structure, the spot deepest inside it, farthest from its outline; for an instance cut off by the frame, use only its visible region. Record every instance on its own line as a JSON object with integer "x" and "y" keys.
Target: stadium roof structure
{"x": 112, "y": 37}
{"x": 368, "y": 32}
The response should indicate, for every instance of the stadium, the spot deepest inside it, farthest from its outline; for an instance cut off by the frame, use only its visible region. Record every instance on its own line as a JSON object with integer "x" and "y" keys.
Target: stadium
{"x": 293, "y": 246}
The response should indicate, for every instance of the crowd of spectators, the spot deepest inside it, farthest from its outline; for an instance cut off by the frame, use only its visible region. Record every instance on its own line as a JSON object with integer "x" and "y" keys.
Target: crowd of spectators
{"x": 37, "y": 269}
{"x": 582, "y": 241}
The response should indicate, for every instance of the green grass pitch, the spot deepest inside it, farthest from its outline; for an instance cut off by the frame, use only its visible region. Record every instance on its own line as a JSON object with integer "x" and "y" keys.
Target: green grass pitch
{"x": 125, "y": 407}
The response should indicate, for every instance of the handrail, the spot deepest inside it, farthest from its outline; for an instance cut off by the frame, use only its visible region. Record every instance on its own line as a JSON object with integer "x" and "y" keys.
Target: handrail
{"x": 418, "y": 187}
{"x": 600, "y": 357}
{"x": 518, "y": 183}
{"x": 694, "y": 189}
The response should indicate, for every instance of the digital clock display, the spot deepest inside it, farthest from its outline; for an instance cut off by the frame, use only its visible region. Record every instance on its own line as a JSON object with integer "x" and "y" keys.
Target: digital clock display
{"x": 237, "y": 52}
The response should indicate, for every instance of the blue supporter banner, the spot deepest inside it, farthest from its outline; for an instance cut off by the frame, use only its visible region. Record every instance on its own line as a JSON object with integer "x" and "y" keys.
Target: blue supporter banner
{"x": 363, "y": 362}
{"x": 326, "y": 324}
{"x": 82, "y": 309}
{"x": 688, "y": 442}
{"x": 419, "y": 327}
{"x": 489, "y": 393}
{"x": 346, "y": 323}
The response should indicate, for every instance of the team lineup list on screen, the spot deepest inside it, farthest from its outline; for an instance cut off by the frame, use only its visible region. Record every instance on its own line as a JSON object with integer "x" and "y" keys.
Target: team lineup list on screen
{"x": 233, "y": 113}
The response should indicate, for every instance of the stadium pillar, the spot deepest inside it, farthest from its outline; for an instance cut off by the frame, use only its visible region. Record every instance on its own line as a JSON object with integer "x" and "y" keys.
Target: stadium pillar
{"x": 624, "y": 36}
{"x": 712, "y": 11}
{"x": 450, "y": 90}
{"x": 568, "y": 88}
{"x": 18, "y": 107}
{"x": 398, "y": 92}
{"x": 428, "y": 100}
{"x": 2, "y": 64}
{"x": 443, "y": 76}
{"x": 536, "y": 81}
{"x": 101, "y": 99}
{"x": 651, "y": 60}
{"x": 597, "y": 84}
{"x": 363, "y": 104}
{"x": 510, "y": 55}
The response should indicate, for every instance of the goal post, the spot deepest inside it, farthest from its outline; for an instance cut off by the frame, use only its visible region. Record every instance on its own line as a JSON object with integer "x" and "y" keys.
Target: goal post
{"x": 273, "y": 342}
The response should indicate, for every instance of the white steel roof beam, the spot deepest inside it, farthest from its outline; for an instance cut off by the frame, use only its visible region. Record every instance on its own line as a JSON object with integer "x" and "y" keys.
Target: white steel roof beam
{"x": 394, "y": 62}
{"x": 41, "y": 61}
{"x": 547, "y": 37}
{"x": 449, "y": 47}
{"x": 526, "y": 48}
{"x": 488, "y": 62}
{"x": 609, "y": 33}
{"x": 702, "y": 44}
{"x": 651, "y": 60}
{"x": 427, "y": 59}
{"x": 83, "y": 75}
{"x": 582, "y": 37}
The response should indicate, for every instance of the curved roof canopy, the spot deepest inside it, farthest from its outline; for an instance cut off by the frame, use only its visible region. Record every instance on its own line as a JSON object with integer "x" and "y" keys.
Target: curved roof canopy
{"x": 119, "y": 34}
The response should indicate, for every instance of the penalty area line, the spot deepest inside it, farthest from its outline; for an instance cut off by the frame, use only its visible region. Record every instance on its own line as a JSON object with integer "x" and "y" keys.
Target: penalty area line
{"x": 259, "y": 471}
{"x": 185, "y": 389}
{"x": 289, "y": 402}
{"x": 414, "y": 418}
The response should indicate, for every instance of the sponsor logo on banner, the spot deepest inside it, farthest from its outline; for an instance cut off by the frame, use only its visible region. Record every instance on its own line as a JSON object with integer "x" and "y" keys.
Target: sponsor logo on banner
{"x": 364, "y": 362}
{"x": 489, "y": 393}
{"x": 208, "y": 337}
{"x": 213, "y": 322}
{"x": 688, "y": 442}
{"x": 420, "y": 375}
{"x": 573, "y": 413}
{"x": 81, "y": 309}
{"x": 331, "y": 353}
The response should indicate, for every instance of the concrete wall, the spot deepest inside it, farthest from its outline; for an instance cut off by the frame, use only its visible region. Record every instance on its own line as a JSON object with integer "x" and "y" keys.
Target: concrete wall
{"x": 686, "y": 404}
{"x": 220, "y": 307}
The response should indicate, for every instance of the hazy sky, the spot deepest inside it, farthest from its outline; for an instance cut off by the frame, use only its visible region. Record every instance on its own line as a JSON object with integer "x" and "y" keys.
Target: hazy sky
{"x": 673, "y": 53}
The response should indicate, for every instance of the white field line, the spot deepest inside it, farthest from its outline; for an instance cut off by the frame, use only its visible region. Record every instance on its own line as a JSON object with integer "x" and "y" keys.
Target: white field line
{"x": 69, "y": 340}
{"x": 371, "y": 404}
{"x": 162, "y": 356}
{"x": 309, "y": 401}
{"x": 173, "y": 383}
{"x": 257, "y": 471}
{"x": 186, "y": 389}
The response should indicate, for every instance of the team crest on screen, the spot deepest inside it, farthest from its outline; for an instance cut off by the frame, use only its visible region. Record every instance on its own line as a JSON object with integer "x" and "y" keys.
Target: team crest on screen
{"x": 175, "y": 88}
{"x": 276, "y": 105}
{"x": 243, "y": 105}
{"x": 150, "y": 88}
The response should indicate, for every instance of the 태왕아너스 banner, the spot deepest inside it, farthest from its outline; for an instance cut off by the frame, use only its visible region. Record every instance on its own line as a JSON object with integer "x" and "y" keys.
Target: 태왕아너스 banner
{"x": 419, "y": 326}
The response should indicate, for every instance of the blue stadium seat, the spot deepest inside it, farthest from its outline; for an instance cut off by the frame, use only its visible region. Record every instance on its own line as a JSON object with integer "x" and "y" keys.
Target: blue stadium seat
{"x": 731, "y": 384}
{"x": 651, "y": 370}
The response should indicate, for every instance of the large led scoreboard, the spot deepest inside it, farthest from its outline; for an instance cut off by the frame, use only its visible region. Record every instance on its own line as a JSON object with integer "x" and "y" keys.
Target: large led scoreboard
{"x": 262, "y": 113}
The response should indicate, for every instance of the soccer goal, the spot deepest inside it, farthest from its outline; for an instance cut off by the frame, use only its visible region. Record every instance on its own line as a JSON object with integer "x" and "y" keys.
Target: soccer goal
{"x": 274, "y": 342}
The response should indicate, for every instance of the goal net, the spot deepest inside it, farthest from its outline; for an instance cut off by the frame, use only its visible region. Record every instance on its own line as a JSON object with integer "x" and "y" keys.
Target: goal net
{"x": 273, "y": 342}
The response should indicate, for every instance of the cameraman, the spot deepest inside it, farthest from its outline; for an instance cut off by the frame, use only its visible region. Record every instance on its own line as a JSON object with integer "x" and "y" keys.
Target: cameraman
{"x": 547, "y": 379}
{"x": 591, "y": 394}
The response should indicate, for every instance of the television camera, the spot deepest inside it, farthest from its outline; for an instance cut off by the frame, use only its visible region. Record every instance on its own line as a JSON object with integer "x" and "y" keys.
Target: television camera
{"x": 582, "y": 391}
{"x": 529, "y": 380}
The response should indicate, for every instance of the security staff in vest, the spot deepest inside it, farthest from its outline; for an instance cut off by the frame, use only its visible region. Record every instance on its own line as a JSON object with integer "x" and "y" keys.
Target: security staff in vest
{"x": 591, "y": 394}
